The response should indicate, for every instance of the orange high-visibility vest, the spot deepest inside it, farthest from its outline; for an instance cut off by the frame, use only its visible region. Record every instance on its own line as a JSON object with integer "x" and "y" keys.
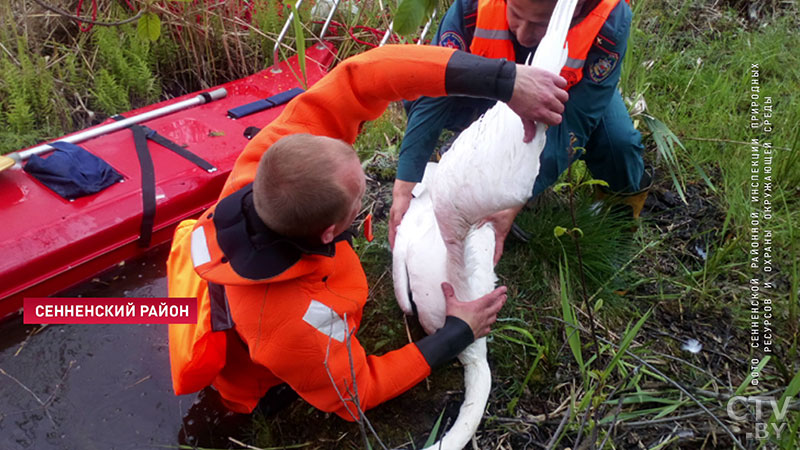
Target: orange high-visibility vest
{"x": 493, "y": 38}
{"x": 197, "y": 352}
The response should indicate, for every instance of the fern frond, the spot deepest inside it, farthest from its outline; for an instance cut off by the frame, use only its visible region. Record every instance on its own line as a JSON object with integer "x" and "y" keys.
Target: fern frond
{"x": 109, "y": 96}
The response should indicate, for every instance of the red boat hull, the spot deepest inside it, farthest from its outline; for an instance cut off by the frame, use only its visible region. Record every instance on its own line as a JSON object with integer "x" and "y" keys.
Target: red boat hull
{"x": 50, "y": 244}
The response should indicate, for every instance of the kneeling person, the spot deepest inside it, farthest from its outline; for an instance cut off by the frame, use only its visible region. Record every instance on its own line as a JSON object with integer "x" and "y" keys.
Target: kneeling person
{"x": 281, "y": 291}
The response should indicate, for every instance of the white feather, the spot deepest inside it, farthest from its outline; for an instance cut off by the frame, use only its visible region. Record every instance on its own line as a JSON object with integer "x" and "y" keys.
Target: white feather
{"x": 419, "y": 257}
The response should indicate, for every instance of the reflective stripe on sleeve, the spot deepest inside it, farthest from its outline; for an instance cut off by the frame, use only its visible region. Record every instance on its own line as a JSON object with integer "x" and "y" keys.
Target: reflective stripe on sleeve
{"x": 573, "y": 63}
{"x": 325, "y": 320}
{"x": 492, "y": 34}
{"x": 200, "y": 254}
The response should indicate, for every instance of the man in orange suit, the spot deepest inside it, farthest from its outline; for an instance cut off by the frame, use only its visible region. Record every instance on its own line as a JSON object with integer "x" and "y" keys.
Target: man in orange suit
{"x": 281, "y": 291}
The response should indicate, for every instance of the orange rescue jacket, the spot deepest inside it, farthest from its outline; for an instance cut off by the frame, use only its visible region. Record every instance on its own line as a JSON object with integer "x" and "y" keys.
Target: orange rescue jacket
{"x": 493, "y": 39}
{"x": 296, "y": 306}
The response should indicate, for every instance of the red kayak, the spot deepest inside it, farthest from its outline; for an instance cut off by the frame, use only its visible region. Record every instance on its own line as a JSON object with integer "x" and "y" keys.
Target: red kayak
{"x": 50, "y": 243}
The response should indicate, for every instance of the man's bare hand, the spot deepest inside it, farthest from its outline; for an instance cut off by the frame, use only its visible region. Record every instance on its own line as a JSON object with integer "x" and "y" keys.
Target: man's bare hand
{"x": 479, "y": 314}
{"x": 502, "y": 222}
{"x": 538, "y": 96}
{"x": 401, "y": 199}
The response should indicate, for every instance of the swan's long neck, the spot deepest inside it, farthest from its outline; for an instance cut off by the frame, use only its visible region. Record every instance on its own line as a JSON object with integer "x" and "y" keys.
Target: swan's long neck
{"x": 472, "y": 276}
{"x": 477, "y": 386}
{"x": 470, "y": 263}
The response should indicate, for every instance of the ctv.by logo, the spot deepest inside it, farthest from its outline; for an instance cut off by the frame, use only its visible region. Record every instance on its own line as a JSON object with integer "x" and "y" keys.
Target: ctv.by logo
{"x": 762, "y": 426}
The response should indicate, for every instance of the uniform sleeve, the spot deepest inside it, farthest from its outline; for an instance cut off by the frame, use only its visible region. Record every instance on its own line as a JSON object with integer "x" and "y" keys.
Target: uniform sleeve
{"x": 428, "y": 117}
{"x": 589, "y": 98}
{"x": 313, "y": 358}
{"x": 360, "y": 89}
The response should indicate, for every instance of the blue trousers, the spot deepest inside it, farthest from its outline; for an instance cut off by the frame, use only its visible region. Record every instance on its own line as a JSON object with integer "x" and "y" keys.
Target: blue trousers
{"x": 613, "y": 153}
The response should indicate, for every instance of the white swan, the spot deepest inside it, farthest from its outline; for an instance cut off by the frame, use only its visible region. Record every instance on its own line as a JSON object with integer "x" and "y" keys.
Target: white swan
{"x": 487, "y": 169}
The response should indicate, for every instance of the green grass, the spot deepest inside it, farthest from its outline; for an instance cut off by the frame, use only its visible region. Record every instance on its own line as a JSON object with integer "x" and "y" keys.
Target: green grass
{"x": 699, "y": 84}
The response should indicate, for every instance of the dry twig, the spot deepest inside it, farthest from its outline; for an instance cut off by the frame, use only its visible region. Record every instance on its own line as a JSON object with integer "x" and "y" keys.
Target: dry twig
{"x": 43, "y": 404}
{"x": 559, "y": 429}
{"x": 60, "y": 11}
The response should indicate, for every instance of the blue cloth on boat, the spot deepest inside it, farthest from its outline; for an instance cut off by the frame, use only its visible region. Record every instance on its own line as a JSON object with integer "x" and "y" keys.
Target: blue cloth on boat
{"x": 71, "y": 171}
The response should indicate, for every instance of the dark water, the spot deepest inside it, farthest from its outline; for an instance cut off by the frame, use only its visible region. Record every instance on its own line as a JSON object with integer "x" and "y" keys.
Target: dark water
{"x": 92, "y": 386}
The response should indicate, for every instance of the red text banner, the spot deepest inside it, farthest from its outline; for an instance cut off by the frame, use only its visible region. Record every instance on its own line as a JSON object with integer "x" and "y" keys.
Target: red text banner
{"x": 109, "y": 310}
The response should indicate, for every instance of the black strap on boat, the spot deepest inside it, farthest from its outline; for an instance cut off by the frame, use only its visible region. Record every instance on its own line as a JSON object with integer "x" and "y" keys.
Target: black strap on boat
{"x": 177, "y": 149}
{"x": 265, "y": 103}
{"x": 221, "y": 318}
{"x": 140, "y": 136}
{"x": 148, "y": 185}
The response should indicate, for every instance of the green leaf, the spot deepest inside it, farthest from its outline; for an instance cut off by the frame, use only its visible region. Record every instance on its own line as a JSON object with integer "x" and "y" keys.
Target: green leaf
{"x": 749, "y": 378}
{"x": 667, "y": 145}
{"x": 559, "y": 231}
{"x": 559, "y": 186}
{"x": 499, "y": 333}
{"x": 703, "y": 174}
{"x": 571, "y": 328}
{"x": 791, "y": 391}
{"x": 626, "y": 342}
{"x": 668, "y": 410}
{"x": 593, "y": 182}
{"x": 300, "y": 39}
{"x": 513, "y": 403}
{"x": 432, "y": 438}
{"x": 586, "y": 400}
{"x": 149, "y": 27}
{"x": 409, "y": 16}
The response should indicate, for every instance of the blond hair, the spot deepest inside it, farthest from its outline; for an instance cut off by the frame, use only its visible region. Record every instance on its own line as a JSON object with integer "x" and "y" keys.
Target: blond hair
{"x": 297, "y": 189}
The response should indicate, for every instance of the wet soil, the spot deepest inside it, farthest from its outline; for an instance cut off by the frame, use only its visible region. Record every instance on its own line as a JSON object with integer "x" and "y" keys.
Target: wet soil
{"x": 689, "y": 228}
{"x": 691, "y": 232}
{"x": 89, "y": 387}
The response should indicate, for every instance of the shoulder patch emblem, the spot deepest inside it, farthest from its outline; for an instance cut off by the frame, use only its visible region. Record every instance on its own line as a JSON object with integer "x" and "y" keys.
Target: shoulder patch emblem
{"x": 602, "y": 67}
{"x": 451, "y": 39}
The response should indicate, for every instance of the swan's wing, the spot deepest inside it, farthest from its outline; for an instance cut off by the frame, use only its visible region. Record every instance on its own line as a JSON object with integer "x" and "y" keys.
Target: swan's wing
{"x": 413, "y": 253}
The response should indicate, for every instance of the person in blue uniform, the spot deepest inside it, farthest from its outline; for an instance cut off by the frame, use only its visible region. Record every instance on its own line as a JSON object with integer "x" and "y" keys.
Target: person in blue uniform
{"x": 594, "y": 120}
